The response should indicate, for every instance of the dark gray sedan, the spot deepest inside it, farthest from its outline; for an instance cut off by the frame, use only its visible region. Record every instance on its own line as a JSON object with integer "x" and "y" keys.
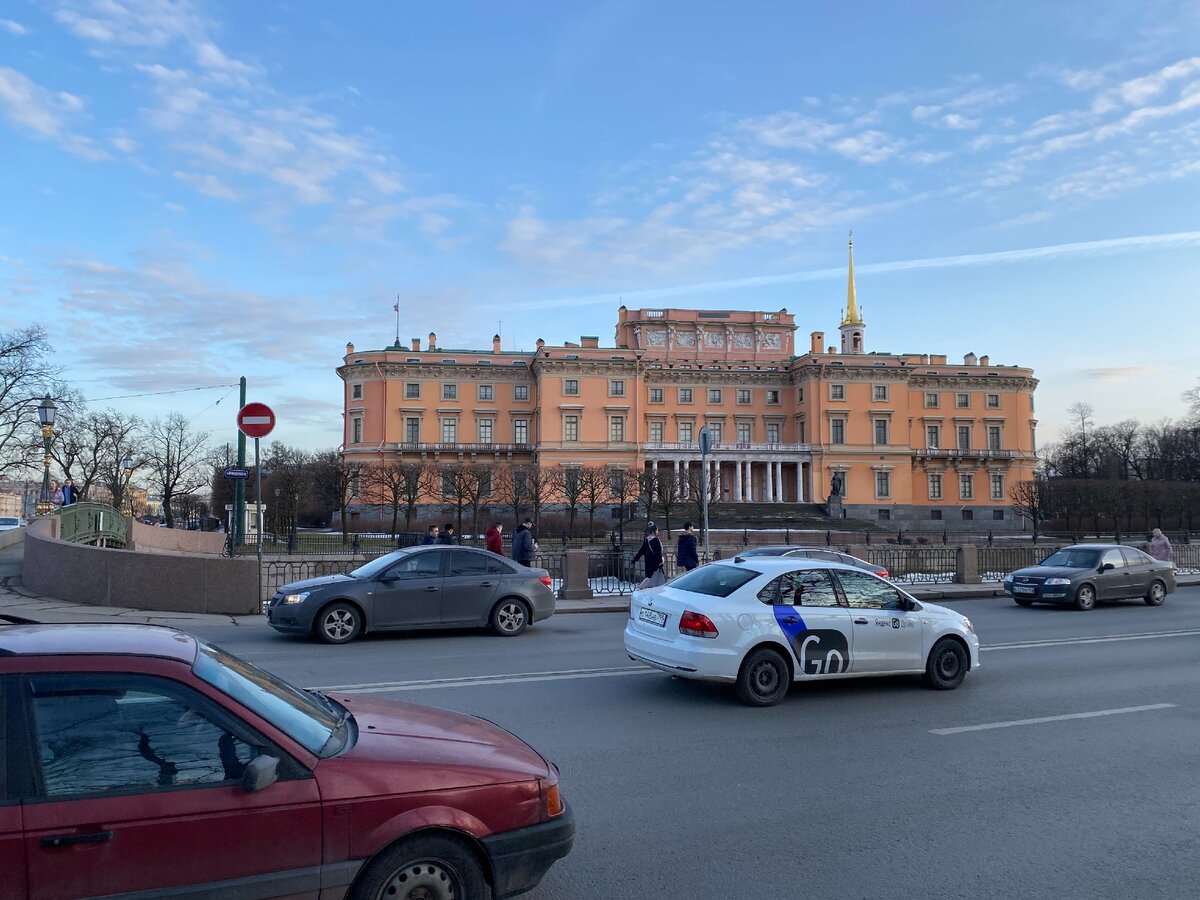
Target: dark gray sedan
{"x": 419, "y": 587}
{"x": 1085, "y": 573}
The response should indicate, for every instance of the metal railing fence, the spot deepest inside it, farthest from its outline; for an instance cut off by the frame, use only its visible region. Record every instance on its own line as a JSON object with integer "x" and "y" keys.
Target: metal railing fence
{"x": 92, "y": 523}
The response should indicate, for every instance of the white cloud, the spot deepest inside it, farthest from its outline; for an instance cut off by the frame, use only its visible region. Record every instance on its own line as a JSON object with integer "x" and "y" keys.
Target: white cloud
{"x": 209, "y": 185}
{"x": 959, "y": 123}
{"x": 212, "y": 58}
{"x": 1029, "y": 218}
{"x": 13, "y": 27}
{"x": 131, "y": 23}
{"x": 868, "y": 146}
{"x": 45, "y": 114}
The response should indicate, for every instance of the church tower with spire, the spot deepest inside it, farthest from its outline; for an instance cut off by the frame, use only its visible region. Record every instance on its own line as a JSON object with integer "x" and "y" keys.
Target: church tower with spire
{"x": 852, "y": 326}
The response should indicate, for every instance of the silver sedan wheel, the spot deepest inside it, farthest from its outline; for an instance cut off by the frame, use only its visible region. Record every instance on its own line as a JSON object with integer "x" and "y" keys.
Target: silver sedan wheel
{"x": 510, "y": 617}
{"x": 339, "y": 624}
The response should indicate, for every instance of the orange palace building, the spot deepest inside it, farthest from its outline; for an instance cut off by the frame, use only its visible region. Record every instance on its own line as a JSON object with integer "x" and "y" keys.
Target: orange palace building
{"x": 907, "y": 439}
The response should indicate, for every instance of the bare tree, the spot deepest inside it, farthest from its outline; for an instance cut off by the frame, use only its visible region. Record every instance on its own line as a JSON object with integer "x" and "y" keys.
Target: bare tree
{"x": 333, "y": 480}
{"x": 594, "y": 492}
{"x": 567, "y": 484}
{"x": 512, "y": 487}
{"x": 174, "y": 453}
{"x": 456, "y": 488}
{"x": 384, "y": 481}
{"x": 478, "y": 486}
{"x": 91, "y": 448}
{"x": 1032, "y": 500}
{"x": 623, "y": 489}
{"x": 26, "y": 375}
{"x": 694, "y": 491}
{"x": 540, "y": 486}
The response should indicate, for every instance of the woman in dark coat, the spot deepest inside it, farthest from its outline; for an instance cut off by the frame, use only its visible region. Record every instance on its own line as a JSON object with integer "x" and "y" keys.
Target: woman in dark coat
{"x": 685, "y": 550}
{"x": 652, "y": 551}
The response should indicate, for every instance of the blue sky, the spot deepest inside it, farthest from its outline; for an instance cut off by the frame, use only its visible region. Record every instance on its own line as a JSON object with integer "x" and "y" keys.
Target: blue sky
{"x": 194, "y": 191}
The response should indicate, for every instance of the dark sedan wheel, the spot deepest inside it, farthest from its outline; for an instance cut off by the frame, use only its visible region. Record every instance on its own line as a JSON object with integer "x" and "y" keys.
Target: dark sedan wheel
{"x": 764, "y": 678}
{"x": 1086, "y": 597}
{"x": 1156, "y": 595}
{"x": 510, "y": 616}
{"x": 339, "y": 623}
{"x": 427, "y": 867}
{"x": 947, "y": 665}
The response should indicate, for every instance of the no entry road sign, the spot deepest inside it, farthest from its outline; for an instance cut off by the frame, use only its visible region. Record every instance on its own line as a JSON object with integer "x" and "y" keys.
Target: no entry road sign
{"x": 255, "y": 420}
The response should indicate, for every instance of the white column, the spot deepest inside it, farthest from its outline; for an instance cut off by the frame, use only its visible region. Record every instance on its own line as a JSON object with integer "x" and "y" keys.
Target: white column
{"x": 737, "y": 481}
{"x": 677, "y": 486}
{"x": 770, "y": 492}
{"x": 800, "y": 483}
{"x": 715, "y": 490}
{"x": 654, "y": 479}
{"x": 749, "y": 470}
{"x": 779, "y": 482}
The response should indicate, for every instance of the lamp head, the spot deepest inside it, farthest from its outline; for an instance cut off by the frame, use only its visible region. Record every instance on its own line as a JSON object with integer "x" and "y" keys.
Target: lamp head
{"x": 46, "y": 410}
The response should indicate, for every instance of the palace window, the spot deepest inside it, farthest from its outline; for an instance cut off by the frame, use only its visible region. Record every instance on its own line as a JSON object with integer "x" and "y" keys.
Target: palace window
{"x": 656, "y": 395}
{"x": 656, "y": 432}
{"x": 412, "y": 430}
{"x": 935, "y": 486}
{"x": 966, "y": 487}
{"x": 837, "y": 431}
{"x": 772, "y": 397}
{"x": 837, "y": 392}
{"x": 714, "y": 396}
{"x": 883, "y": 485}
{"x": 993, "y": 437}
{"x": 520, "y": 392}
{"x": 616, "y": 388}
{"x": 743, "y": 396}
{"x": 449, "y": 391}
{"x": 485, "y": 431}
{"x": 616, "y": 429}
{"x": 743, "y": 432}
{"x": 962, "y": 401}
{"x": 685, "y": 432}
{"x": 993, "y": 401}
{"x": 685, "y": 395}
{"x": 356, "y": 392}
{"x": 450, "y": 431}
{"x": 412, "y": 391}
{"x": 932, "y": 401}
{"x": 881, "y": 431}
{"x": 997, "y": 482}
{"x": 571, "y": 428}
{"x": 356, "y": 430}
{"x": 715, "y": 429}
{"x": 571, "y": 387}
{"x": 521, "y": 431}
{"x": 772, "y": 432}
{"x": 933, "y": 436}
{"x": 879, "y": 392}
{"x": 964, "y": 437}
{"x": 486, "y": 392}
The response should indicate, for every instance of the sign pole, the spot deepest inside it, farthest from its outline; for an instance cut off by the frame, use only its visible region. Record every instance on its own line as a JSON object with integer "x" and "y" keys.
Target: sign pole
{"x": 258, "y": 506}
{"x": 239, "y": 489}
{"x": 705, "y": 446}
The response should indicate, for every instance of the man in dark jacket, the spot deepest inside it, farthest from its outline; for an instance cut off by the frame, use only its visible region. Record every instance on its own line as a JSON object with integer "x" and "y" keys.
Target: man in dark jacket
{"x": 685, "y": 549}
{"x": 524, "y": 546}
{"x": 652, "y": 551}
{"x": 431, "y": 536}
{"x": 447, "y": 535}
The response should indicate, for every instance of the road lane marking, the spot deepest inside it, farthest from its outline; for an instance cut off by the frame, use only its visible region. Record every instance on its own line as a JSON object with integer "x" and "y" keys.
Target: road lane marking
{"x": 1090, "y": 639}
{"x": 480, "y": 680}
{"x": 988, "y": 726}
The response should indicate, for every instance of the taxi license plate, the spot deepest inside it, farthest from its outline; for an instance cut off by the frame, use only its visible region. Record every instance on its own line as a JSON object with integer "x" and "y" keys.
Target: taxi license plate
{"x": 1024, "y": 589}
{"x": 654, "y": 617}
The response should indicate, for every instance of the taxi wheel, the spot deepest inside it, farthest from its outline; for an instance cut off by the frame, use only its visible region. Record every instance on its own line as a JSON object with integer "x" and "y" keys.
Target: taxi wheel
{"x": 947, "y": 665}
{"x": 338, "y": 623}
{"x": 1086, "y": 598}
{"x": 1023, "y": 601}
{"x": 1158, "y": 593}
{"x": 764, "y": 678}
{"x": 429, "y": 867}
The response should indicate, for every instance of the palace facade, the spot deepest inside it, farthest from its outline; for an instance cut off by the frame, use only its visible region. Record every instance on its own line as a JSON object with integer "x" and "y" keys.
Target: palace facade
{"x": 907, "y": 438}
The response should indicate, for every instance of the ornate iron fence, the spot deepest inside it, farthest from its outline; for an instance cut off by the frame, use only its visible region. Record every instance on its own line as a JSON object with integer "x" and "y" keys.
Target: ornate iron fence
{"x": 997, "y": 562}
{"x": 92, "y": 523}
{"x": 277, "y": 573}
{"x": 1187, "y": 559}
{"x": 916, "y": 565}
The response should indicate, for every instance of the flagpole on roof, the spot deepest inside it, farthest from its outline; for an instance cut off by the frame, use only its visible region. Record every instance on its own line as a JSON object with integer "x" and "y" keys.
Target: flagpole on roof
{"x": 396, "y": 308}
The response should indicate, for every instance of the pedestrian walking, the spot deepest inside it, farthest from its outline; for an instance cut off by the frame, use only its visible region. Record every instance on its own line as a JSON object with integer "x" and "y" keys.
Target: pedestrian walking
{"x": 70, "y": 492}
{"x": 431, "y": 536}
{"x": 1160, "y": 546}
{"x": 56, "y": 494}
{"x": 685, "y": 549}
{"x": 493, "y": 538}
{"x": 524, "y": 546}
{"x": 447, "y": 535}
{"x": 652, "y": 552}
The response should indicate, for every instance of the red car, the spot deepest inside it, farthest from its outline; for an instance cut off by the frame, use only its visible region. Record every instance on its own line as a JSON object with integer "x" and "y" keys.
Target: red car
{"x": 142, "y": 762}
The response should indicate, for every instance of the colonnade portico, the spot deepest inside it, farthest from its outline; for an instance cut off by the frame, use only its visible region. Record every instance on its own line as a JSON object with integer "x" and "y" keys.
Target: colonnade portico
{"x": 739, "y": 477}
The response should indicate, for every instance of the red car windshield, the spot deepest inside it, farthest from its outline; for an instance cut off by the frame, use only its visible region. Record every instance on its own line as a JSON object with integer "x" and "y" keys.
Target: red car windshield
{"x": 311, "y": 719}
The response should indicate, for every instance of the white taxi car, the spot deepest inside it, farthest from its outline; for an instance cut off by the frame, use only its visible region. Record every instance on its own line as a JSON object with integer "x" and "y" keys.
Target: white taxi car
{"x": 763, "y": 622}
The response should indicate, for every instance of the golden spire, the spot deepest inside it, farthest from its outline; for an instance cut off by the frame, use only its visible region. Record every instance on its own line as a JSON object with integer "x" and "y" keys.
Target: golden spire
{"x": 852, "y": 315}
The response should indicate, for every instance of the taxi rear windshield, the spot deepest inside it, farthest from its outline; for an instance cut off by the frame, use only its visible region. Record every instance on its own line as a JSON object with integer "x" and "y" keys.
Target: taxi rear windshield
{"x": 715, "y": 581}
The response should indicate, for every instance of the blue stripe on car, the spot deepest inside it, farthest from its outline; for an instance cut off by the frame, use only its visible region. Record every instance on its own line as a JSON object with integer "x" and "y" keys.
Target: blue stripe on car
{"x": 791, "y": 629}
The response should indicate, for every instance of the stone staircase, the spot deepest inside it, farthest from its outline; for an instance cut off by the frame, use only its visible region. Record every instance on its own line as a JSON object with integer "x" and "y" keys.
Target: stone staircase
{"x": 778, "y": 515}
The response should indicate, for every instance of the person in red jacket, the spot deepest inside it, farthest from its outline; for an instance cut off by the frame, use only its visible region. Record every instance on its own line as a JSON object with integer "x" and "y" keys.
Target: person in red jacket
{"x": 493, "y": 538}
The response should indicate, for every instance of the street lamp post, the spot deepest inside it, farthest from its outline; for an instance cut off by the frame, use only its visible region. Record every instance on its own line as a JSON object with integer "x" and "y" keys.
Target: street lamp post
{"x": 46, "y": 410}
{"x": 127, "y": 471}
{"x": 277, "y": 511}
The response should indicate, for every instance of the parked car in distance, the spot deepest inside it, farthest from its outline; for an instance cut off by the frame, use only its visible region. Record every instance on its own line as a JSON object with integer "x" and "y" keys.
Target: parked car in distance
{"x": 819, "y": 553}
{"x": 9, "y": 523}
{"x": 437, "y": 586}
{"x": 141, "y": 761}
{"x": 1086, "y": 573}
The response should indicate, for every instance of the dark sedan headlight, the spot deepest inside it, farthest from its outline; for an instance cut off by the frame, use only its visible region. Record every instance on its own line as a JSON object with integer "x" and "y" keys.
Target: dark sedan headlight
{"x": 293, "y": 599}
{"x": 1058, "y": 581}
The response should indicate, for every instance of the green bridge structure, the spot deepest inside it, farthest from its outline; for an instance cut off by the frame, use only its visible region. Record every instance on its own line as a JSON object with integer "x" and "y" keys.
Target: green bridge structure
{"x": 93, "y": 523}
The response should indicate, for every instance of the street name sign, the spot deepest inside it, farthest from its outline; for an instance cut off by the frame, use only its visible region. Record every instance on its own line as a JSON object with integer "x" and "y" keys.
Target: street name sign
{"x": 237, "y": 473}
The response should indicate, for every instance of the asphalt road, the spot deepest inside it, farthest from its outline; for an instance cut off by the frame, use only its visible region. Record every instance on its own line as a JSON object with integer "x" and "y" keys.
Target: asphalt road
{"x": 868, "y": 788}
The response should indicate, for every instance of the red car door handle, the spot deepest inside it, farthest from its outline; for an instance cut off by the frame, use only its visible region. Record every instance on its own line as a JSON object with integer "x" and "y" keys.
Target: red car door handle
{"x": 62, "y": 840}
{"x": 860, "y": 622}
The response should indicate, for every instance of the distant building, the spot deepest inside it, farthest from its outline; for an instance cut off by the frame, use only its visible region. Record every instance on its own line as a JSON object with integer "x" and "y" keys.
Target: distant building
{"x": 904, "y": 438}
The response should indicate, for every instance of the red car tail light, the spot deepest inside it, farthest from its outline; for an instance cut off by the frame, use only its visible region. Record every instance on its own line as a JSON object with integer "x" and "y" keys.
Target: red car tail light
{"x": 545, "y": 579}
{"x": 697, "y": 625}
{"x": 883, "y": 573}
